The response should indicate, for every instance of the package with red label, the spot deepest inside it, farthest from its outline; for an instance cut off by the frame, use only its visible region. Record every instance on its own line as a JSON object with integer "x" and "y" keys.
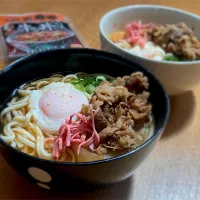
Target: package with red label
{"x": 21, "y": 35}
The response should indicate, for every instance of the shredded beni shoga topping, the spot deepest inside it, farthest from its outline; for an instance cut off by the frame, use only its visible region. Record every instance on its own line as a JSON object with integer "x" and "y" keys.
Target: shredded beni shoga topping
{"x": 135, "y": 33}
{"x": 78, "y": 129}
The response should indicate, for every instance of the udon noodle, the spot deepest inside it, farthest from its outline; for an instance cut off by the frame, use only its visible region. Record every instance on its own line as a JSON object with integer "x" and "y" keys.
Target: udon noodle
{"x": 22, "y": 131}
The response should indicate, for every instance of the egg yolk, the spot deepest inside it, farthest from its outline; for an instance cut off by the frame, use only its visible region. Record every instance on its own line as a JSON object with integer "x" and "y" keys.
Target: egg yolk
{"x": 62, "y": 102}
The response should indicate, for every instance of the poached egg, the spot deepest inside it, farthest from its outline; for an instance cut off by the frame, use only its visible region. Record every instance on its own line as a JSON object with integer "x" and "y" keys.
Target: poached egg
{"x": 54, "y": 103}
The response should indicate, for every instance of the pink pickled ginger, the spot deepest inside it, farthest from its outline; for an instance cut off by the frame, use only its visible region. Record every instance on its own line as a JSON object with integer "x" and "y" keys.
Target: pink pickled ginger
{"x": 135, "y": 33}
{"x": 80, "y": 131}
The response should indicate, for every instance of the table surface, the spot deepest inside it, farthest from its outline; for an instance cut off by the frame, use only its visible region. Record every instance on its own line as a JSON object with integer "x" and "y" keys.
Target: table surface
{"x": 172, "y": 172}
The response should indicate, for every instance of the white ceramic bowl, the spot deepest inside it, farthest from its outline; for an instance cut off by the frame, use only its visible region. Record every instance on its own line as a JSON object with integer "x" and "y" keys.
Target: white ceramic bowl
{"x": 176, "y": 77}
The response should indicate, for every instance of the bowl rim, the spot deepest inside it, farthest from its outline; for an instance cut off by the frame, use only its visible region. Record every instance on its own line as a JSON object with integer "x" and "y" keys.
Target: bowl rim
{"x": 147, "y": 6}
{"x": 112, "y": 56}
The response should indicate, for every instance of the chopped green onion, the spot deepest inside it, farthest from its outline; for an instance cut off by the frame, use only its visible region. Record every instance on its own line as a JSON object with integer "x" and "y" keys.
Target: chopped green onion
{"x": 171, "y": 57}
{"x": 87, "y": 83}
{"x": 94, "y": 82}
{"x": 73, "y": 81}
{"x": 83, "y": 82}
{"x": 79, "y": 87}
{"x": 100, "y": 78}
{"x": 90, "y": 88}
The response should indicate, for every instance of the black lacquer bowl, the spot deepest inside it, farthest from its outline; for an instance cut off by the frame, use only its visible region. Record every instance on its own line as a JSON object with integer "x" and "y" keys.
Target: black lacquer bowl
{"x": 51, "y": 174}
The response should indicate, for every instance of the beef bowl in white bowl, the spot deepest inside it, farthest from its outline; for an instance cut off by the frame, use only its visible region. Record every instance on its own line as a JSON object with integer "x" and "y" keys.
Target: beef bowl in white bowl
{"x": 169, "y": 37}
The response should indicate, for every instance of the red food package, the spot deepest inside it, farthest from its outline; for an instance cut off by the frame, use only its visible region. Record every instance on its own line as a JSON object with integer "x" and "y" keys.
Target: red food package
{"x": 21, "y": 35}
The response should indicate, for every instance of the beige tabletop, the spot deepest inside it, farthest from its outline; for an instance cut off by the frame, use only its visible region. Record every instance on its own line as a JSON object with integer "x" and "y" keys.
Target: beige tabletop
{"x": 172, "y": 172}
